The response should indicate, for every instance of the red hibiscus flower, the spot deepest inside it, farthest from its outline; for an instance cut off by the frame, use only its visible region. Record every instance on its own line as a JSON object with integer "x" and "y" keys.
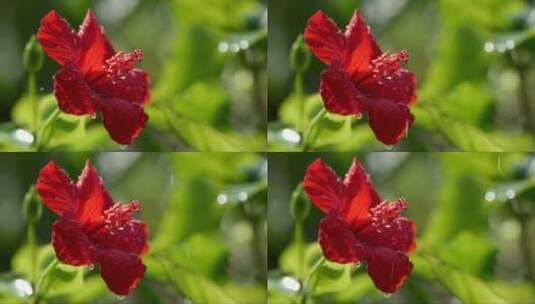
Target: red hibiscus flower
{"x": 361, "y": 78}
{"x": 92, "y": 229}
{"x": 359, "y": 227}
{"x": 94, "y": 78}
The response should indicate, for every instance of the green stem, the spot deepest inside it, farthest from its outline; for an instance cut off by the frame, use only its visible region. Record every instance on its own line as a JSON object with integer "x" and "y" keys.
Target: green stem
{"x": 312, "y": 130}
{"x": 32, "y": 95}
{"x": 298, "y": 91}
{"x": 310, "y": 282}
{"x": 40, "y": 287}
{"x": 32, "y": 249}
{"x": 299, "y": 243}
{"x": 43, "y": 136}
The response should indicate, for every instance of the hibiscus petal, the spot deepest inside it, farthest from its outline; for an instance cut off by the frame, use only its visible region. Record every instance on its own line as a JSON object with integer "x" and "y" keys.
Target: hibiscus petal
{"x": 389, "y": 121}
{"x": 120, "y": 270}
{"x": 339, "y": 93}
{"x": 399, "y": 87}
{"x": 397, "y": 235}
{"x": 338, "y": 242}
{"x": 360, "y": 196}
{"x": 389, "y": 269}
{"x": 123, "y": 120}
{"x": 324, "y": 38}
{"x": 73, "y": 93}
{"x": 93, "y": 197}
{"x": 323, "y": 187}
{"x": 58, "y": 39}
{"x": 132, "y": 238}
{"x": 95, "y": 47}
{"x": 71, "y": 244}
{"x": 361, "y": 48}
{"x": 57, "y": 190}
{"x": 132, "y": 86}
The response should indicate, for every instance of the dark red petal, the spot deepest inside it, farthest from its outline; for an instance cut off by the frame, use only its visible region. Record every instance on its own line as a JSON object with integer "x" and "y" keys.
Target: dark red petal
{"x": 95, "y": 47}
{"x": 399, "y": 87}
{"x": 398, "y": 234}
{"x": 73, "y": 93}
{"x": 58, "y": 39}
{"x": 120, "y": 270}
{"x": 56, "y": 189}
{"x": 93, "y": 197}
{"x": 339, "y": 93}
{"x": 132, "y": 86}
{"x": 324, "y": 38}
{"x": 323, "y": 187}
{"x": 130, "y": 238}
{"x": 389, "y": 121}
{"x": 389, "y": 269}
{"x": 71, "y": 244}
{"x": 337, "y": 241}
{"x": 123, "y": 120}
{"x": 360, "y": 196}
{"x": 361, "y": 48}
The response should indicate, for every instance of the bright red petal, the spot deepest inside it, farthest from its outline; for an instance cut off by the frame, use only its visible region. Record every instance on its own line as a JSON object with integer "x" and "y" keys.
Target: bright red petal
{"x": 337, "y": 241}
{"x": 388, "y": 269}
{"x": 123, "y": 120}
{"x": 130, "y": 238}
{"x": 360, "y": 196}
{"x": 58, "y": 39}
{"x": 398, "y": 235}
{"x": 361, "y": 48}
{"x": 95, "y": 47}
{"x": 389, "y": 121}
{"x": 93, "y": 196}
{"x": 120, "y": 270}
{"x": 132, "y": 86}
{"x": 400, "y": 87}
{"x": 339, "y": 93}
{"x": 71, "y": 244}
{"x": 56, "y": 189}
{"x": 324, "y": 38}
{"x": 323, "y": 187}
{"x": 73, "y": 94}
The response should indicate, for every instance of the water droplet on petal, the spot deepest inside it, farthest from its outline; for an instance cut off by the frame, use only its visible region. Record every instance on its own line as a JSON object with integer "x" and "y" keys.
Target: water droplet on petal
{"x": 120, "y": 297}
{"x": 388, "y": 295}
{"x": 90, "y": 267}
{"x": 123, "y": 147}
{"x": 93, "y": 116}
{"x": 389, "y": 147}
{"x": 359, "y": 116}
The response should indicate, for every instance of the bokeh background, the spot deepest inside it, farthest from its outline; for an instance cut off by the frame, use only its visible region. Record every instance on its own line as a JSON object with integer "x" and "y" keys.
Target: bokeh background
{"x": 206, "y": 59}
{"x": 207, "y": 218}
{"x": 474, "y": 217}
{"x": 474, "y": 61}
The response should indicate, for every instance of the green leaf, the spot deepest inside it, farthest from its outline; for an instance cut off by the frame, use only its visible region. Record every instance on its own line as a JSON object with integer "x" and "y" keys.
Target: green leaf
{"x": 289, "y": 109}
{"x": 468, "y": 288}
{"x": 331, "y": 277}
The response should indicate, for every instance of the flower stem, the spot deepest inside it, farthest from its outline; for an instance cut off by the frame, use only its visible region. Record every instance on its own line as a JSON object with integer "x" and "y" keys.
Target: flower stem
{"x": 40, "y": 287}
{"x": 298, "y": 91}
{"x": 311, "y": 280}
{"x": 299, "y": 243}
{"x": 313, "y": 129}
{"x": 32, "y": 95}
{"x": 44, "y": 131}
{"x": 32, "y": 252}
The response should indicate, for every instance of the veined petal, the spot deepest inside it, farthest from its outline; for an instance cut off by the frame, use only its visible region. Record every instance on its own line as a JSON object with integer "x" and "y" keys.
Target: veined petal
{"x": 58, "y": 39}
{"x": 130, "y": 238}
{"x": 390, "y": 121}
{"x": 389, "y": 269}
{"x": 73, "y": 93}
{"x": 360, "y": 196}
{"x": 399, "y": 86}
{"x": 93, "y": 197}
{"x": 361, "y": 48}
{"x": 324, "y": 38}
{"x": 95, "y": 46}
{"x": 57, "y": 190}
{"x": 323, "y": 187}
{"x": 337, "y": 241}
{"x": 132, "y": 86}
{"x": 398, "y": 234}
{"x": 339, "y": 93}
{"x": 120, "y": 270}
{"x": 71, "y": 244}
{"x": 123, "y": 120}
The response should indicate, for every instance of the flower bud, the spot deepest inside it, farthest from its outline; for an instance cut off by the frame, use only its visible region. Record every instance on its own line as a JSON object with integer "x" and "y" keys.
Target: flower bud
{"x": 32, "y": 209}
{"x": 300, "y": 55}
{"x": 33, "y": 55}
{"x": 299, "y": 205}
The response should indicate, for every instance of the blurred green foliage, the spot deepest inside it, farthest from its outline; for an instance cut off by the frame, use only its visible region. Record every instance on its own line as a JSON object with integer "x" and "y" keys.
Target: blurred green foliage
{"x": 474, "y": 61}
{"x": 474, "y": 216}
{"x": 207, "y": 62}
{"x": 206, "y": 215}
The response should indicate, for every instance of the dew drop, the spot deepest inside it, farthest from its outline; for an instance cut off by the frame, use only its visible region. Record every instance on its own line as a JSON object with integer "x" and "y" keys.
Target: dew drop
{"x": 120, "y": 297}
{"x": 123, "y": 147}
{"x": 388, "y": 295}
{"x": 93, "y": 116}
{"x": 389, "y": 147}
{"x": 359, "y": 116}
{"x": 90, "y": 267}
